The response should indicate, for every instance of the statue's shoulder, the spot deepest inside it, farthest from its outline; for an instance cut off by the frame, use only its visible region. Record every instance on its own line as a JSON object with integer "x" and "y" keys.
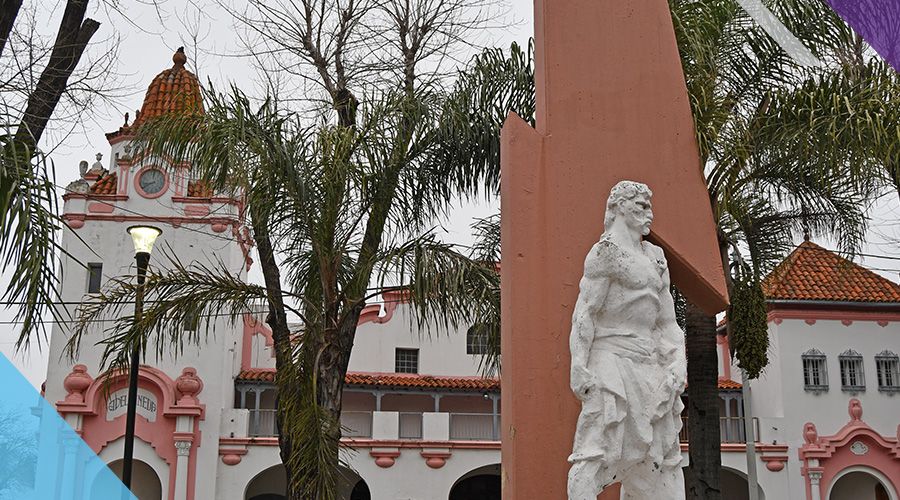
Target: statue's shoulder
{"x": 655, "y": 253}
{"x": 602, "y": 259}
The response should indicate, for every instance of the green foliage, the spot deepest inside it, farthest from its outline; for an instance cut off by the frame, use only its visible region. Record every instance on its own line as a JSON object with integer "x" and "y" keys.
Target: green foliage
{"x": 29, "y": 245}
{"x": 749, "y": 326}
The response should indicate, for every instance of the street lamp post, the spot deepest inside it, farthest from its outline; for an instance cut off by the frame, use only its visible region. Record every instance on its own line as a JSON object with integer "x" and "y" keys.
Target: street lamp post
{"x": 143, "y": 237}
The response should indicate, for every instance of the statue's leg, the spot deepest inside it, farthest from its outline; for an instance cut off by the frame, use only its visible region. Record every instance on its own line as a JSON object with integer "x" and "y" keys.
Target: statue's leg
{"x": 653, "y": 481}
{"x": 584, "y": 480}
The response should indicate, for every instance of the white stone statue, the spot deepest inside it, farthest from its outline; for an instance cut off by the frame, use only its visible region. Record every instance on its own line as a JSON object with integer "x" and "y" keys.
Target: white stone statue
{"x": 628, "y": 363}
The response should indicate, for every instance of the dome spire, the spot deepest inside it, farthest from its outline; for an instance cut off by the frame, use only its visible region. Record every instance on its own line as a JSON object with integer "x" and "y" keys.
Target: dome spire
{"x": 179, "y": 59}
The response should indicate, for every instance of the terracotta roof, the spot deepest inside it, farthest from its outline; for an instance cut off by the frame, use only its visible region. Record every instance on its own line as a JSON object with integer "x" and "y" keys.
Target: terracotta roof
{"x": 105, "y": 185}
{"x": 811, "y": 272}
{"x": 175, "y": 89}
{"x": 729, "y": 384}
{"x": 411, "y": 380}
{"x": 199, "y": 189}
{"x": 402, "y": 380}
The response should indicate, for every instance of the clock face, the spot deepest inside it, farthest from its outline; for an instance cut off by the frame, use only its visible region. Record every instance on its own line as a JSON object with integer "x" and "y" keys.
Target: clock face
{"x": 152, "y": 181}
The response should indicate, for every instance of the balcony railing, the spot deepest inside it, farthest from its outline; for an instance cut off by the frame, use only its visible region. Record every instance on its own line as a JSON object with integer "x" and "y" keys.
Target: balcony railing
{"x": 731, "y": 430}
{"x": 262, "y": 423}
{"x": 474, "y": 427}
{"x": 356, "y": 424}
{"x": 410, "y": 425}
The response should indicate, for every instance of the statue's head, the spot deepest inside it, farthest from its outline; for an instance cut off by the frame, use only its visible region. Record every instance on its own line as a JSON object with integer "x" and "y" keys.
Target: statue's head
{"x": 630, "y": 199}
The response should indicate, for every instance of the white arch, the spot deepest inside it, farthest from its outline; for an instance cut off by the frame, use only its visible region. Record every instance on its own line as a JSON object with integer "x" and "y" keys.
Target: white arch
{"x": 743, "y": 475}
{"x": 143, "y": 451}
{"x": 888, "y": 485}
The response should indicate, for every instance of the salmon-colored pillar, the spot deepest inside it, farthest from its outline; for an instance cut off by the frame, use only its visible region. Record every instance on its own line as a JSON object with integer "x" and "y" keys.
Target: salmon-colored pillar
{"x": 611, "y": 105}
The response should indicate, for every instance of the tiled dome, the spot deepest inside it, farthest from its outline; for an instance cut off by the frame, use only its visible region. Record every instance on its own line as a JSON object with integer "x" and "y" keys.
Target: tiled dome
{"x": 174, "y": 89}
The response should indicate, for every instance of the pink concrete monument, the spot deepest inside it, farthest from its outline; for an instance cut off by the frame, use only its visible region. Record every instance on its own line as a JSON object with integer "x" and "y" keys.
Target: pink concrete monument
{"x": 611, "y": 105}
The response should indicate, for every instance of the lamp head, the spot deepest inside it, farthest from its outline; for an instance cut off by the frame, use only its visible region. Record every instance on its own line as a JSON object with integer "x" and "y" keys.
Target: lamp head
{"x": 143, "y": 237}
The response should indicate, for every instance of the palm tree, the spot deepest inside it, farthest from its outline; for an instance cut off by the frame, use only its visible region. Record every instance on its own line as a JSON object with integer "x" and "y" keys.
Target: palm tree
{"x": 786, "y": 149}
{"x": 333, "y": 210}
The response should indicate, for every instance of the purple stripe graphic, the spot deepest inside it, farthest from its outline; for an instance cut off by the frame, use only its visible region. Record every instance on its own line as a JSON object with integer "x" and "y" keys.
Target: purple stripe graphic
{"x": 877, "y": 22}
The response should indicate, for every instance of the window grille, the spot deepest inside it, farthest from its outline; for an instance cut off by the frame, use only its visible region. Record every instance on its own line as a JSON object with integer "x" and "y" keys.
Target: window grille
{"x": 815, "y": 371}
{"x": 852, "y": 375}
{"x": 888, "y": 367}
{"x": 476, "y": 340}
{"x": 95, "y": 272}
{"x": 406, "y": 361}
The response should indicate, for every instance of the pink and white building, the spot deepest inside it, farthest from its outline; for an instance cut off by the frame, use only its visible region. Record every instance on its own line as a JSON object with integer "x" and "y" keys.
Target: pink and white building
{"x": 422, "y": 424}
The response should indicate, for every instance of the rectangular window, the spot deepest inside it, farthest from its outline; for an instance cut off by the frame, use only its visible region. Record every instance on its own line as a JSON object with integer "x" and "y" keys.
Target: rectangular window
{"x": 852, "y": 375}
{"x": 888, "y": 367}
{"x": 95, "y": 272}
{"x": 406, "y": 361}
{"x": 476, "y": 340}
{"x": 815, "y": 374}
{"x": 193, "y": 321}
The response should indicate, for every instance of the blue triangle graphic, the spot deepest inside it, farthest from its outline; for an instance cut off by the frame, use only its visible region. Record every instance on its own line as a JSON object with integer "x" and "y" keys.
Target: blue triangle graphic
{"x": 41, "y": 457}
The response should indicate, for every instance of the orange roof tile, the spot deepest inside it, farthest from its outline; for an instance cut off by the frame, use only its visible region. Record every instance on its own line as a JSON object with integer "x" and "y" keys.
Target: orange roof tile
{"x": 729, "y": 384}
{"x": 404, "y": 380}
{"x": 199, "y": 189}
{"x": 174, "y": 90}
{"x": 105, "y": 185}
{"x": 811, "y": 272}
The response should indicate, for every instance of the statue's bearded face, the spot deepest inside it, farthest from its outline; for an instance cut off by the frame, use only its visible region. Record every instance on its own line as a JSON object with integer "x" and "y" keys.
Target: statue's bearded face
{"x": 638, "y": 213}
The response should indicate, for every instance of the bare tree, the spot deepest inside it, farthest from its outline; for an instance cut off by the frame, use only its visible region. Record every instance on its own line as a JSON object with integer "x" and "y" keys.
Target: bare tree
{"x": 40, "y": 79}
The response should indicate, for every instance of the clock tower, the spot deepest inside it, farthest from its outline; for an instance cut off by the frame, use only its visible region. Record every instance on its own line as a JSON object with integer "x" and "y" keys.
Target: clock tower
{"x": 174, "y": 431}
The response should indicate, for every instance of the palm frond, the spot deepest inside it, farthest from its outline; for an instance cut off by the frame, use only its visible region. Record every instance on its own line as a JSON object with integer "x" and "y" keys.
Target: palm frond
{"x": 181, "y": 303}
{"x": 29, "y": 238}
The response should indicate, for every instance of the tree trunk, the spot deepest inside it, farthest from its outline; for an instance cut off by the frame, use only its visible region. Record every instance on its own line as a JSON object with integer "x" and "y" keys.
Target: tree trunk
{"x": 9, "y": 9}
{"x": 703, "y": 405}
{"x": 73, "y": 36}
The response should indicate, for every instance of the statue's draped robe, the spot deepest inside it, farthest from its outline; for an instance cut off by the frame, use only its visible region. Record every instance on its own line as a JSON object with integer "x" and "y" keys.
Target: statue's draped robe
{"x": 632, "y": 415}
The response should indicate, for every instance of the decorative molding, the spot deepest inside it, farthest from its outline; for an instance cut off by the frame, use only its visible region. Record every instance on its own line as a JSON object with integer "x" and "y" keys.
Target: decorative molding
{"x": 384, "y": 458}
{"x": 846, "y": 322}
{"x": 814, "y": 477}
{"x": 858, "y": 448}
{"x": 183, "y": 448}
{"x": 435, "y": 459}
{"x": 232, "y": 456}
{"x": 101, "y": 207}
{"x": 810, "y": 321}
{"x": 880, "y": 316}
{"x": 774, "y": 463}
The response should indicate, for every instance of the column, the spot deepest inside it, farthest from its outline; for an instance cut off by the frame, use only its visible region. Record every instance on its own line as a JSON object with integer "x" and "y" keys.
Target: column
{"x": 814, "y": 477}
{"x": 70, "y": 442}
{"x": 183, "y": 448}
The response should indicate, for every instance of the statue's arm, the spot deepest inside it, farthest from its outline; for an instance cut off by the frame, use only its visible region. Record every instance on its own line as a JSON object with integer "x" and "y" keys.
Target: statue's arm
{"x": 671, "y": 337}
{"x": 594, "y": 288}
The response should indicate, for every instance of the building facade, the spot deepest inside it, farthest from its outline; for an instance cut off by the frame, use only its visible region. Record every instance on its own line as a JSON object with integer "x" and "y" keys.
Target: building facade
{"x": 420, "y": 421}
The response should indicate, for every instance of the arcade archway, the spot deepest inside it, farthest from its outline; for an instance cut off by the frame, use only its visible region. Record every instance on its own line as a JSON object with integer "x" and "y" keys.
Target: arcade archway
{"x": 482, "y": 483}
